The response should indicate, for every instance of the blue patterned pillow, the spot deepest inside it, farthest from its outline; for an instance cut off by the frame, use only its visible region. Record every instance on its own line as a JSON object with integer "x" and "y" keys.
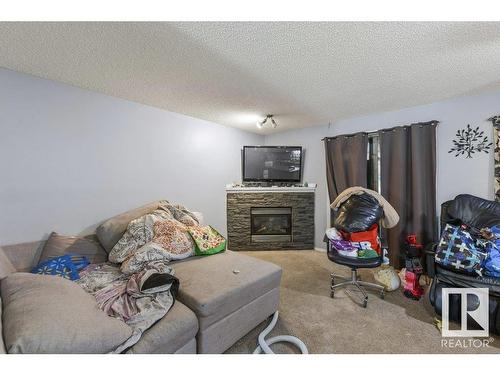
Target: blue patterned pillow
{"x": 79, "y": 261}
{"x": 65, "y": 266}
{"x": 460, "y": 251}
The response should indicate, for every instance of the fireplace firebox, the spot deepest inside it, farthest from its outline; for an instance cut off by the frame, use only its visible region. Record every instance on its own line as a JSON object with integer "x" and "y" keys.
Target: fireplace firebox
{"x": 271, "y": 224}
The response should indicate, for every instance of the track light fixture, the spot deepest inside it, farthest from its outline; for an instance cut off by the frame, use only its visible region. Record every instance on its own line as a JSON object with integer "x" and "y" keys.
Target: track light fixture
{"x": 270, "y": 119}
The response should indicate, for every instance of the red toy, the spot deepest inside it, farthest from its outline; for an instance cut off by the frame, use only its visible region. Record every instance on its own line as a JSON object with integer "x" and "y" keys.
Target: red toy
{"x": 413, "y": 268}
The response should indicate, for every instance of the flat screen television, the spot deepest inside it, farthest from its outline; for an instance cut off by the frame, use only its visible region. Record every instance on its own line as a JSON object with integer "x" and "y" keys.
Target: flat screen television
{"x": 272, "y": 163}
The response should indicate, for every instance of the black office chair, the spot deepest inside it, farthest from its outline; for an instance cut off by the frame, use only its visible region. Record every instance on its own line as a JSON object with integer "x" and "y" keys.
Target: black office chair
{"x": 356, "y": 213}
{"x": 354, "y": 264}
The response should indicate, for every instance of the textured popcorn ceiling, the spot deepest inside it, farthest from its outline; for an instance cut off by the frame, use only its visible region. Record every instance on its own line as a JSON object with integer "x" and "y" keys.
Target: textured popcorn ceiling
{"x": 235, "y": 73}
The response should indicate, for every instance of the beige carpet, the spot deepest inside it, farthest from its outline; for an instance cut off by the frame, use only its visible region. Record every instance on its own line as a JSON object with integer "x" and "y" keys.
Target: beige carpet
{"x": 339, "y": 325}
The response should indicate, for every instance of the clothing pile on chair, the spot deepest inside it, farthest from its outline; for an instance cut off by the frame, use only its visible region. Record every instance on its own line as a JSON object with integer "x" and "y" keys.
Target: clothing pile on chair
{"x": 467, "y": 250}
{"x": 364, "y": 244}
{"x": 357, "y": 213}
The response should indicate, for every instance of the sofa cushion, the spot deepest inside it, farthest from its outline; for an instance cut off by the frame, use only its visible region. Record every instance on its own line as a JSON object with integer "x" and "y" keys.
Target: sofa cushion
{"x": 24, "y": 256}
{"x": 47, "y": 314}
{"x": 170, "y": 333}
{"x": 216, "y": 285}
{"x": 6, "y": 267}
{"x": 58, "y": 245}
{"x": 110, "y": 232}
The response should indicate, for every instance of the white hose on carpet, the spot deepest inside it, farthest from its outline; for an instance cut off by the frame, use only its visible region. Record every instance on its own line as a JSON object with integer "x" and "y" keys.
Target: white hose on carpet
{"x": 264, "y": 344}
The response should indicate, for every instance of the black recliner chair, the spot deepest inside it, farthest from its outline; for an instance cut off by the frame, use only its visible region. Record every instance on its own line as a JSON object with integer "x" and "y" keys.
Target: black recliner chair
{"x": 478, "y": 213}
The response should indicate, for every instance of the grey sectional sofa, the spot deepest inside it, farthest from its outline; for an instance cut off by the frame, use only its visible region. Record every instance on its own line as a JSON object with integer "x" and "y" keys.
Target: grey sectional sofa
{"x": 221, "y": 298}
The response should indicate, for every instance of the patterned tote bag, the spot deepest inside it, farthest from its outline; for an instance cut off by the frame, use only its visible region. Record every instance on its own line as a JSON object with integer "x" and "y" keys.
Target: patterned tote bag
{"x": 207, "y": 240}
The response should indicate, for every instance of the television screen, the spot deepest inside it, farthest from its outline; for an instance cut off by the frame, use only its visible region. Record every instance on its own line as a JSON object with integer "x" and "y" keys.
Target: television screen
{"x": 272, "y": 163}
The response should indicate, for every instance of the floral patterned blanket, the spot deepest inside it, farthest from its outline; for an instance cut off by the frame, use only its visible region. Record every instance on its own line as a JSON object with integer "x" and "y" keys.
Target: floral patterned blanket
{"x": 137, "y": 286}
{"x": 159, "y": 236}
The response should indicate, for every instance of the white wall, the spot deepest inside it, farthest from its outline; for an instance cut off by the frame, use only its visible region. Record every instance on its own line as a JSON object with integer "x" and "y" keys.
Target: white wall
{"x": 455, "y": 175}
{"x": 70, "y": 158}
{"x": 314, "y": 169}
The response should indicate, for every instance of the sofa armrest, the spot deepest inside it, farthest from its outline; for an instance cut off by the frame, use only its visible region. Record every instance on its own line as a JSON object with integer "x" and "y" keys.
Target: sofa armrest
{"x": 6, "y": 267}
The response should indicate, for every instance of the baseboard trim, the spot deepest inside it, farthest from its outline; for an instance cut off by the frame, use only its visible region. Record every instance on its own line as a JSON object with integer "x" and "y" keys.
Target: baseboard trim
{"x": 320, "y": 249}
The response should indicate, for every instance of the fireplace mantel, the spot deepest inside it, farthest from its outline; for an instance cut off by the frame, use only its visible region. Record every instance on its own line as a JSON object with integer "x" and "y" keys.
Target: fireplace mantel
{"x": 270, "y": 189}
{"x": 241, "y": 201}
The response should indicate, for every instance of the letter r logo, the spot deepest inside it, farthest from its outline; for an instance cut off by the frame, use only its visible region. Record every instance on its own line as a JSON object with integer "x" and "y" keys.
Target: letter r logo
{"x": 474, "y": 307}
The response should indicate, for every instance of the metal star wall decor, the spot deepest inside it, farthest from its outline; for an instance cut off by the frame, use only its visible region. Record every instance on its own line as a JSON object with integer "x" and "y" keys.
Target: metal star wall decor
{"x": 469, "y": 141}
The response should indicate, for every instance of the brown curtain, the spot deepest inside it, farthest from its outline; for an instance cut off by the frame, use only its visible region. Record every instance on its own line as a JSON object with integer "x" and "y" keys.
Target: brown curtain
{"x": 408, "y": 182}
{"x": 346, "y": 162}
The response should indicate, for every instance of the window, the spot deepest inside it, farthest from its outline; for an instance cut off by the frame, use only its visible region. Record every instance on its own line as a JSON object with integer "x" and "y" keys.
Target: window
{"x": 373, "y": 160}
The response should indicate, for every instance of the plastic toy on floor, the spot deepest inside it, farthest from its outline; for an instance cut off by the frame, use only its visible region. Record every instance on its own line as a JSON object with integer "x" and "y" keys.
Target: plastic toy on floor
{"x": 387, "y": 276}
{"x": 414, "y": 270}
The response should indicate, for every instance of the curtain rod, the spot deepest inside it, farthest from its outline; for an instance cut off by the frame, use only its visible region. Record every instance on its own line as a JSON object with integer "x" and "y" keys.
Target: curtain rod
{"x": 372, "y": 133}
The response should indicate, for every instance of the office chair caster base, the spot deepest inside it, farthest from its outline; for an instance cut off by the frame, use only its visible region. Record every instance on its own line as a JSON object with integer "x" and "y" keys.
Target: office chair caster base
{"x": 358, "y": 284}
{"x": 335, "y": 276}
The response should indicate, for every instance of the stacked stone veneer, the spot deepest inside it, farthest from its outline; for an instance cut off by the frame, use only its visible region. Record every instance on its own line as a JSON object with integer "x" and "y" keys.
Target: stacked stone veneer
{"x": 239, "y": 206}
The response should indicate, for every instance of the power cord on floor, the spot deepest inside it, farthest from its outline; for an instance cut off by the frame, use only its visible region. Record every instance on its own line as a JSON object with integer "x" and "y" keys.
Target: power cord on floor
{"x": 264, "y": 344}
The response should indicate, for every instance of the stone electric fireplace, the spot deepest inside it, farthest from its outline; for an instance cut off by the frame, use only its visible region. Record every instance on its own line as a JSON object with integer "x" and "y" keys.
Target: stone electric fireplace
{"x": 271, "y": 218}
{"x": 271, "y": 224}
